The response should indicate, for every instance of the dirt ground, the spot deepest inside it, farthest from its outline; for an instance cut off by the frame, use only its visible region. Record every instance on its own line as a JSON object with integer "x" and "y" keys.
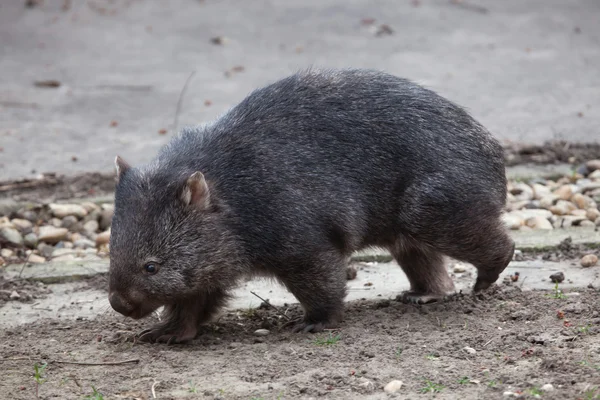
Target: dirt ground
{"x": 520, "y": 342}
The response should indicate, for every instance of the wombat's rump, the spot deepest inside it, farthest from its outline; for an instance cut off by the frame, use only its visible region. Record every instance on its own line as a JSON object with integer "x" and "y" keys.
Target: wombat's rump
{"x": 293, "y": 180}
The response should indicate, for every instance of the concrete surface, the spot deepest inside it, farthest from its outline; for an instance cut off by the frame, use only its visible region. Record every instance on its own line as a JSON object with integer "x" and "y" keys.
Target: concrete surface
{"x": 528, "y": 70}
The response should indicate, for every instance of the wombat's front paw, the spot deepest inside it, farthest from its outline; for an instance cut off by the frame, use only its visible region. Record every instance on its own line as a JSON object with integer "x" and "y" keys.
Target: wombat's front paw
{"x": 314, "y": 327}
{"x": 421, "y": 298}
{"x": 165, "y": 334}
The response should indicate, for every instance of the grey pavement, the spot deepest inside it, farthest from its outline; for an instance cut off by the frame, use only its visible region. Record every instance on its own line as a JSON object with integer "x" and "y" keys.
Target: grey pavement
{"x": 528, "y": 70}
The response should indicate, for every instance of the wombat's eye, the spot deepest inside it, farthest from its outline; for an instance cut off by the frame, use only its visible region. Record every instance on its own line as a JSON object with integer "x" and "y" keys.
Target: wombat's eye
{"x": 150, "y": 268}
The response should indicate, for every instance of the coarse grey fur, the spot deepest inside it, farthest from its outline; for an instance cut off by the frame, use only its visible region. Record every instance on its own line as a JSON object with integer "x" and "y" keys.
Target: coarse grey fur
{"x": 295, "y": 178}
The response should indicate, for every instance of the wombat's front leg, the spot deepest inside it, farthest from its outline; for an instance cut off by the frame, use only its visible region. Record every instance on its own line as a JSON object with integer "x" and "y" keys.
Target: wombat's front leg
{"x": 181, "y": 320}
{"x": 320, "y": 286}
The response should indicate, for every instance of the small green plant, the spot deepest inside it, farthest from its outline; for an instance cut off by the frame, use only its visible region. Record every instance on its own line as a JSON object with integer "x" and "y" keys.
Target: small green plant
{"x": 39, "y": 379}
{"x": 96, "y": 395}
{"x": 535, "y": 391}
{"x": 492, "y": 383}
{"x": 464, "y": 380}
{"x": 592, "y": 394}
{"x": 431, "y": 387}
{"x": 327, "y": 341}
{"x": 249, "y": 312}
{"x": 584, "y": 329}
{"x": 557, "y": 293}
{"x": 192, "y": 387}
{"x": 398, "y": 353}
{"x": 431, "y": 357}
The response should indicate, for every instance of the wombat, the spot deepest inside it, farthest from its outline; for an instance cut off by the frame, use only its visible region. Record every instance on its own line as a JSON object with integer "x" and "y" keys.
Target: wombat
{"x": 292, "y": 181}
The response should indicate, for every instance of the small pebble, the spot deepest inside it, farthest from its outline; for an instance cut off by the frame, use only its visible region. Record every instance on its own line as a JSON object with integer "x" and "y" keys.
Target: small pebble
{"x": 14, "y": 295}
{"x": 23, "y": 225}
{"x": 593, "y": 165}
{"x": 63, "y": 210}
{"x": 261, "y": 332}
{"x": 547, "y": 387}
{"x": 11, "y": 235}
{"x": 51, "y": 234}
{"x": 69, "y": 221}
{"x": 30, "y": 240}
{"x": 91, "y": 227}
{"x": 557, "y": 277}
{"x": 459, "y": 268}
{"x": 7, "y": 253}
{"x": 103, "y": 238}
{"x": 589, "y": 260}
{"x": 35, "y": 259}
{"x": 539, "y": 223}
{"x": 84, "y": 244}
{"x": 393, "y": 386}
{"x": 469, "y": 350}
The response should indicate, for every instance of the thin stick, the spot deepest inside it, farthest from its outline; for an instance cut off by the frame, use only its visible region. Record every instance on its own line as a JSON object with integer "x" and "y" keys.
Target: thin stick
{"x": 178, "y": 109}
{"x": 25, "y": 264}
{"x": 488, "y": 342}
{"x": 271, "y": 305}
{"x": 135, "y": 360}
{"x": 153, "y": 385}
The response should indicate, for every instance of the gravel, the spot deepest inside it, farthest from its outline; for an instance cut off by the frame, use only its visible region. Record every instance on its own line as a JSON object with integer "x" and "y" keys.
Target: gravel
{"x": 84, "y": 228}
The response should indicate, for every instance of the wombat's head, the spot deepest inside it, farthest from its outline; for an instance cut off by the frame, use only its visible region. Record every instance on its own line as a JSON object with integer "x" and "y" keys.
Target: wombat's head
{"x": 168, "y": 240}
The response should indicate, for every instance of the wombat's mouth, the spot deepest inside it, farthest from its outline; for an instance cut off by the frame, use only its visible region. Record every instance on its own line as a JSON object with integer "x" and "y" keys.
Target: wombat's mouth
{"x": 128, "y": 308}
{"x": 141, "y": 312}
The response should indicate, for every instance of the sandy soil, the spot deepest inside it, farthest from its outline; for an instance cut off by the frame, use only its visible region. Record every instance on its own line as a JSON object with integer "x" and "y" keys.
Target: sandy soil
{"x": 521, "y": 341}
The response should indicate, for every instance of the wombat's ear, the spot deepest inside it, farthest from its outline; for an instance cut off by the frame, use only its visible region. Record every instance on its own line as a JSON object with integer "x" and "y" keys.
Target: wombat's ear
{"x": 196, "y": 191}
{"x": 121, "y": 166}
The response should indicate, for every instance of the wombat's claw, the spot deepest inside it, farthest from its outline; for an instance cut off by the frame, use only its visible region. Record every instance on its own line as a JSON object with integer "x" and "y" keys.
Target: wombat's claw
{"x": 305, "y": 327}
{"x": 302, "y": 326}
{"x": 421, "y": 298}
{"x": 158, "y": 336}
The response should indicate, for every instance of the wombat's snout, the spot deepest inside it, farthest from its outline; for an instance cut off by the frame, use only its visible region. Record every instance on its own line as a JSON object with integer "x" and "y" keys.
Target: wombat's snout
{"x": 120, "y": 304}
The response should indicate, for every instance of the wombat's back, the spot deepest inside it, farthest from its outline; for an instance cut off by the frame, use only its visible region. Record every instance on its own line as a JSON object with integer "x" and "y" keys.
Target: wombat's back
{"x": 358, "y": 150}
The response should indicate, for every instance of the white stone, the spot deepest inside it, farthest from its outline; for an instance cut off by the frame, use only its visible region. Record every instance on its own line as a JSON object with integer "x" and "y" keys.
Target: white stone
{"x": 261, "y": 332}
{"x": 91, "y": 226}
{"x": 469, "y": 350}
{"x": 540, "y": 191}
{"x": 512, "y": 221}
{"x": 562, "y": 207}
{"x": 589, "y": 260}
{"x": 14, "y": 295}
{"x": 6, "y": 253}
{"x": 62, "y": 210}
{"x": 22, "y": 224}
{"x": 539, "y": 223}
{"x": 393, "y": 386}
{"x": 51, "y": 234}
{"x": 35, "y": 259}
{"x": 548, "y": 201}
{"x": 522, "y": 191}
{"x": 11, "y": 235}
{"x": 103, "y": 238}
{"x": 459, "y": 268}
{"x": 547, "y": 387}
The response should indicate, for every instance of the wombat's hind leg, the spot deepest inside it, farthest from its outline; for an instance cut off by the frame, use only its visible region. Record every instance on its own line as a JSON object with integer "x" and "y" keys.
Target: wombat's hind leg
{"x": 424, "y": 267}
{"x": 320, "y": 286}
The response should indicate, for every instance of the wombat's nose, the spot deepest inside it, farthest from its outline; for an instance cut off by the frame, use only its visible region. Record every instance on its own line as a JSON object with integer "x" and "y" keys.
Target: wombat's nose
{"x": 119, "y": 304}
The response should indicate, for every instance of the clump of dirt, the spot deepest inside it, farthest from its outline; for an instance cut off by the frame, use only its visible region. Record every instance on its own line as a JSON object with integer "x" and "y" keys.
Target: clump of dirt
{"x": 551, "y": 152}
{"x": 474, "y": 347}
{"x": 21, "y": 290}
